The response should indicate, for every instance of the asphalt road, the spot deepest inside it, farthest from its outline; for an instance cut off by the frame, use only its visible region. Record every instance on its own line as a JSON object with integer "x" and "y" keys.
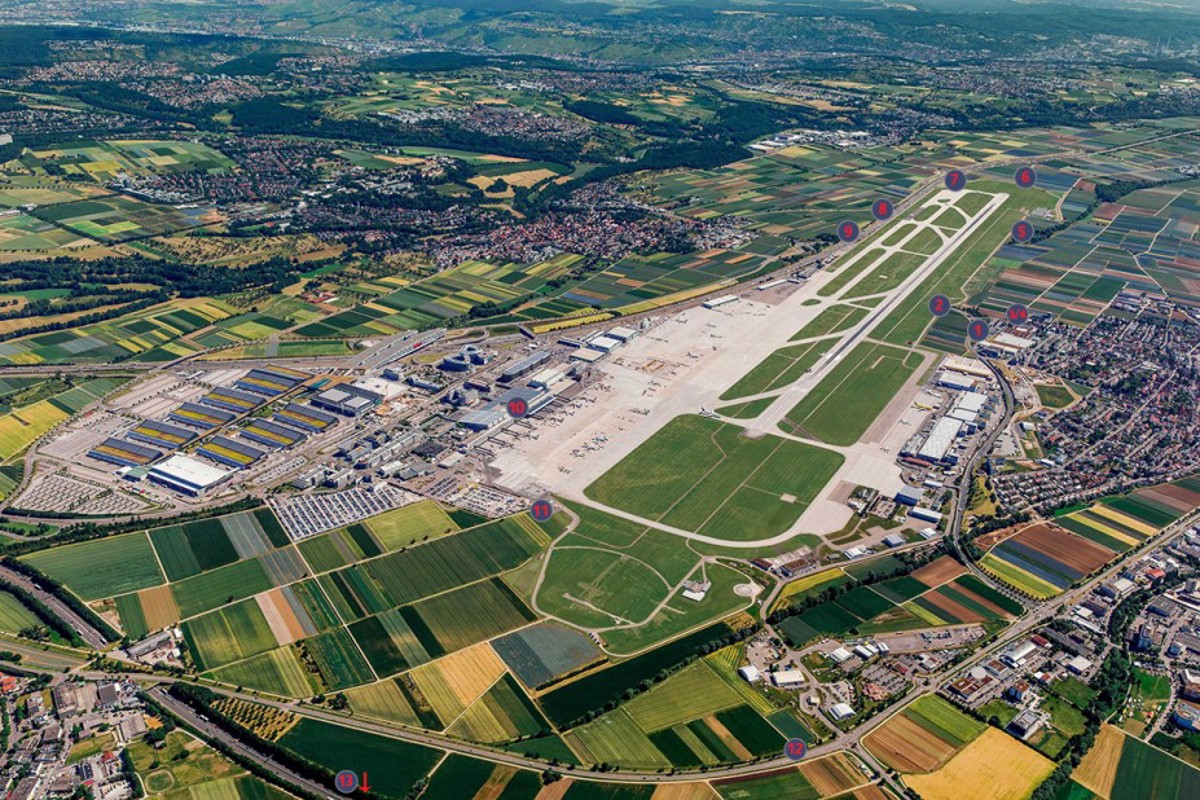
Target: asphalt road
{"x": 85, "y": 630}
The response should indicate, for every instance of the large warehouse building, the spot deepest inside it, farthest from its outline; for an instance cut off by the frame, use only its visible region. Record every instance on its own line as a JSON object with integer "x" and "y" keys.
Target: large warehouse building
{"x": 188, "y": 475}
{"x": 347, "y": 399}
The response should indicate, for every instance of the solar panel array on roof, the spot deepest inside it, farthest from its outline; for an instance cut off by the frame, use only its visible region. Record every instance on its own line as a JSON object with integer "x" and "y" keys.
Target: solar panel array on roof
{"x": 162, "y": 434}
{"x": 205, "y": 417}
{"x": 127, "y": 454}
{"x": 272, "y": 435}
{"x": 233, "y": 400}
{"x": 224, "y": 450}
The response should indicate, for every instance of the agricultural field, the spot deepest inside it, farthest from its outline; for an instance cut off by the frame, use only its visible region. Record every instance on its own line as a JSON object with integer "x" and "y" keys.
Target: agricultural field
{"x": 502, "y": 714}
{"x": 703, "y": 475}
{"x": 277, "y": 672}
{"x": 33, "y": 409}
{"x": 1120, "y": 766}
{"x": 104, "y": 161}
{"x": 798, "y": 192}
{"x": 228, "y": 634}
{"x": 186, "y": 767}
{"x": 103, "y": 567}
{"x": 463, "y": 777}
{"x": 448, "y": 295}
{"x": 116, "y": 218}
{"x": 14, "y": 616}
{"x": 832, "y": 775}
{"x": 936, "y": 595}
{"x": 1009, "y": 769}
{"x": 150, "y": 334}
{"x": 1145, "y": 243}
{"x": 406, "y": 526}
{"x": 923, "y": 736}
{"x": 841, "y": 408}
{"x": 1043, "y": 560}
{"x": 394, "y": 765}
{"x": 568, "y": 703}
{"x": 543, "y": 653}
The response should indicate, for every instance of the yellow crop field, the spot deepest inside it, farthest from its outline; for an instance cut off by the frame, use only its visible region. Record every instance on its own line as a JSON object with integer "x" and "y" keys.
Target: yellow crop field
{"x": 20, "y": 429}
{"x": 809, "y": 581}
{"x": 158, "y": 605}
{"x": 455, "y": 682}
{"x": 684, "y": 791}
{"x": 384, "y": 701}
{"x": 1009, "y": 769}
{"x": 1098, "y": 770}
{"x": 1124, "y": 519}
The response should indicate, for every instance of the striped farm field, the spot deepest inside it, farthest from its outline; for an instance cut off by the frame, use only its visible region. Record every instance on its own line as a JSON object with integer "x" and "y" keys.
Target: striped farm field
{"x": 693, "y": 692}
{"x": 1018, "y": 578}
{"x": 472, "y": 614}
{"x": 1009, "y": 769}
{"x": 209, "y": 590}
{"x": 14, "y": 616}
{"x": 1122, "y": 767}
{"x": 277, "y": 672}
{"x": 453, "y": 683}
{"x": 19, "y": 429}
{"x": 102, "y": 567}
{"x": 338, "y": 660}
{"x": 1054, "y": 555}
{"x": 923, "y": 735}
{"x": 385, "y": 700}
{"x": 228, "y": 634}
{"x": 502, "y": 714}
{"x": 616, "y": 739}
{"x": 148, "y": 610}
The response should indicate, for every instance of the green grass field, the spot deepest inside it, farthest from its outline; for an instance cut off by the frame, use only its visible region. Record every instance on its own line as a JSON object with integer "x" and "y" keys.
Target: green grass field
{"x": 410, "y": 524}
{"x": 275, "y": 671}
{"x": 706, "y": 476}
{"x": 102, "y": 568}
{"x": 834, "y": 319}
{"x": 228, "y": 634}
{"x": 14, "y": 616}
{"x": 781, "y": 368}
{"x": 693, "y": 692}
{"x": 841, "y": 408}
{"x": 394, "y": 766}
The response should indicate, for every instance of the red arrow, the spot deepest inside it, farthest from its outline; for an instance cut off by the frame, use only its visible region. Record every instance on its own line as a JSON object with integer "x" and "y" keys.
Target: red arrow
{"x": 366, "y": 787}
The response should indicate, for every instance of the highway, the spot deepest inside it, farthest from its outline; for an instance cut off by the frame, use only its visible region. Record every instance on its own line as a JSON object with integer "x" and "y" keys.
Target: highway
{"x": 85, "y": 630}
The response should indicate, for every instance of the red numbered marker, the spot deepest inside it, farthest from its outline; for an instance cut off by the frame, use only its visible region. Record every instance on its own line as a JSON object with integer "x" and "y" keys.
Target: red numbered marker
{"x": 956, "y": 180}
{"x": 1025, "y": 177}
{"x": 1018, "y": 313}
{"x": 795, "y": 749}
{"x": 939, "y": 305}
{"x": 848, "y": 231}
{"x": 883, "y": 209}
{"x": 1022, "y": 231}
{"x": 541, "y": 510}
{"x": 346, "y": 781}
{"x": 517, "y": 407}
{"x": 978, "y": 330}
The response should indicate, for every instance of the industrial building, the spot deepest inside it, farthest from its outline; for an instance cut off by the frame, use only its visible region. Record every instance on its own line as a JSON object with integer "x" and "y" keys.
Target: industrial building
{"x": 232, "y": 400}
{"x": 524, "y": 366}
{"x": 272, "y": 435}
{"x": 201, "y": 417}
{"x": 305, "y": 418}
{"x": 188, "y": 475}
{"x": 940, "y": 440}
{"x": 226, "y": 451}
{"x": 347, "y": 399}
{"x": 271, "y": 381}
{"x": 717, "y": 302}
{"x": 125, "y": 454}
{"x": 160, "y": 434}
{"x": 496, "y": 411}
